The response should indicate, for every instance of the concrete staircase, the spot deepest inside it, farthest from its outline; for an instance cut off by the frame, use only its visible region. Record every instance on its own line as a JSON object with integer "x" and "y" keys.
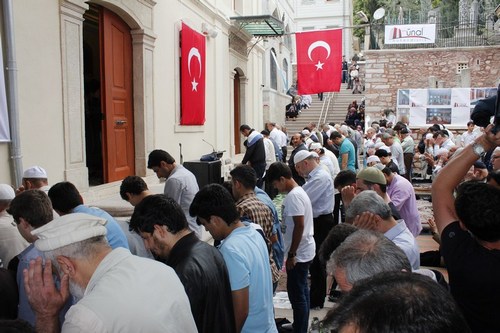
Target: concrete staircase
{"x": 335, "y": 103}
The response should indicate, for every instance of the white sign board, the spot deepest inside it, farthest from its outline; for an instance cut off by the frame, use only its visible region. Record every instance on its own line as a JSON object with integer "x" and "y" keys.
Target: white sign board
{"x": 447, "y": 106}
{"x": 410, "y": 34}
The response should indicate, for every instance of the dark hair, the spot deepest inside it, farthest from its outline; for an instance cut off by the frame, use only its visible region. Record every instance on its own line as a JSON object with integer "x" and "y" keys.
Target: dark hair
{"x": 397, "y": 302}
{"x": 278, "y": 170}
{"x": 34, "y": 206}
{"x": 477, "y": 207}
{"x": 335, "y": 237}
{"x": 245, "y": 127}
{"x": 494, "y": 175}
{"x": 132, "y": 184}
{"x": 382, "y": 153}
{"x": 214, "y": 200}
{"x": 157, "y": 156}
{"x": 244, "y": 174}
{"x": 65, "y": 197}
{"x": 265, "y": 132}
{"x": 344, "y": 178}
{"x": 335, "y": 135}
{"x": 383, "y": 187}
{"x": 160, "y": 210}
{"x": 387, "y": 171}
{"x": 15, "y": 326}
{"x": 470, "y": 122}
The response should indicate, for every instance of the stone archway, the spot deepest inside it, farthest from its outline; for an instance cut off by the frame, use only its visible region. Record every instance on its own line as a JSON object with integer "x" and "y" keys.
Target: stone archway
{"x": 139, "y": 16}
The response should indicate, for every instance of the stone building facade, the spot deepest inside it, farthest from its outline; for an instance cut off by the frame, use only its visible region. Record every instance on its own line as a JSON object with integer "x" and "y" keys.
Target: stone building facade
{"x": 386, "y": 71}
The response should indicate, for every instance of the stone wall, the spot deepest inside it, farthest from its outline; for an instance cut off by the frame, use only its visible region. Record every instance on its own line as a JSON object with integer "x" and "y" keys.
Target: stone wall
{"x": 386, "y": 71}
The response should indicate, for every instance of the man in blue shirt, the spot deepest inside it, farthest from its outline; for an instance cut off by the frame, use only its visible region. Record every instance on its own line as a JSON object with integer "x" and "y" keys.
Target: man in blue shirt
{"x": 66, "y": 199}
{"x": 246, "y": 256}
{"x": 347, "y": 154}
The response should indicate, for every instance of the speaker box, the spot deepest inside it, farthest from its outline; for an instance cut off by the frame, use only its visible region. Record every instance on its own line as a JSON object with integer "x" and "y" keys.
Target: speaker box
{"x": 206, "y": 172}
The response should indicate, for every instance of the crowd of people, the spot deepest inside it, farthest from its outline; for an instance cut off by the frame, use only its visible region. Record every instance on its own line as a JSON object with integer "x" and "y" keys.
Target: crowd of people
{"x": 346, "y": 233}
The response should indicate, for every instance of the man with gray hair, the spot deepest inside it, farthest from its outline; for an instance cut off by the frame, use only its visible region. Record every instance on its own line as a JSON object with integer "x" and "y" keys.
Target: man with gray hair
{"x": 364, "y": 254}
{"x": 369, "y": 211}
{"x": 107, "y": 283}
{"x": 495, "y": 159}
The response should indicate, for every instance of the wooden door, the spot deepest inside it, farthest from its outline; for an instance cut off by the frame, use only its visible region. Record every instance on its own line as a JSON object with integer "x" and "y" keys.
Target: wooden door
{"x": 118, "y": 128}
{"x": 237, "y": 124}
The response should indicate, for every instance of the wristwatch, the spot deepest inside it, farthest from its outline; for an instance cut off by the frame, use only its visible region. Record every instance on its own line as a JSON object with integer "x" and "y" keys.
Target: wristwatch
{"x": 478, "y": 149}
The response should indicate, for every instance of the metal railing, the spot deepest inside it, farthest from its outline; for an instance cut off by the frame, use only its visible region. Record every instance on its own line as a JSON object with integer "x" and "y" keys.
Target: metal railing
{"x": 448, "y": 34}
{"x": 326, "y": 107}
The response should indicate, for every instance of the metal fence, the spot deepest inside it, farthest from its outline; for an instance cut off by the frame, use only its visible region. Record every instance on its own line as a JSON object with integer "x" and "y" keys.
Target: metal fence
{"x": 449, "y": 34}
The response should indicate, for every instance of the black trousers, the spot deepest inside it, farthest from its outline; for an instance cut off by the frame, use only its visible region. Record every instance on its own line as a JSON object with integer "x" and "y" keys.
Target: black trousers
{"x": 322, "y": 226}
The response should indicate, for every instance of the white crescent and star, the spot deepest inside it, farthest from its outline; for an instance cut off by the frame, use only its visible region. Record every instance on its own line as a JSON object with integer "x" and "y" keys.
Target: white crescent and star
{"x": 316, "y": 44}
{"x": 193, "y": 52}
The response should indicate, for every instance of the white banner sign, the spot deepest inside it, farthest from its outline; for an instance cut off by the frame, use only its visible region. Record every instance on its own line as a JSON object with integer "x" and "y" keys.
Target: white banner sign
{"x": 4, "y": 116}
{"x": 447, "y": 106}
{"x": 410, "y": 34}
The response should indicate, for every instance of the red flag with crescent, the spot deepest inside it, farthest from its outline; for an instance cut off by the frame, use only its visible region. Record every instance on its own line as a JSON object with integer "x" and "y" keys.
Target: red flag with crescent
{"x": 192, "y": 77}
{"x": 319, "y": 61}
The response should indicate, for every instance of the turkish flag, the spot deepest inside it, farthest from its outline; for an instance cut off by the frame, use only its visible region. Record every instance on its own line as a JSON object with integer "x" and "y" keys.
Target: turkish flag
{"x": 319, "y": 61}
{"x": 192, "y": 77}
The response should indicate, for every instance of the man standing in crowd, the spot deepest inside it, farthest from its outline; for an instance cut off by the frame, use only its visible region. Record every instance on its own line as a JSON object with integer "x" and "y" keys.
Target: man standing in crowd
{"x": 34, "y": 178}
{"x": 347, "y": 155}
{"x": 108, "y": 283}
{"x": 163, "y": 226}
{"x": 470, "y": 235}
{"x": 298, "y": 144}
{"x": 319, "y": 189}
{"x": 66, "y": 199}
{"x": 402, "y": 195}
{"x": 246, "y": 256}
{"x": 299, "y": 241}
{"x": 180, "y": 184}
{"x": 408, "y": 146}
{"x": 11, "y": 241}
{"x": 255, "y": 155}
{"x": 279, "y": 137}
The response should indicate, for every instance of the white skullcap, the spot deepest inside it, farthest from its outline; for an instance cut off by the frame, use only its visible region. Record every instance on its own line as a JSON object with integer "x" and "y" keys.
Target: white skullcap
{"x": 386, "y": 148}
{"x": 302, "y": 155}
{"x": 429, "y": 136}
{"x": 6, "y": 192}
{"x": 35, "y": 172}
{"x": 68, "y": 229}
{"x": 379, "y": 144}
{"x": 306, "y": 132}
{"x": 315, "y": 145}
{"x": 373, "y": 158}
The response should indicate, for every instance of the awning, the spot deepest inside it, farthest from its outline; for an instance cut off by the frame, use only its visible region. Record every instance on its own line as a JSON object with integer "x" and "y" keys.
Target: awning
{"x": 260, "y": 25}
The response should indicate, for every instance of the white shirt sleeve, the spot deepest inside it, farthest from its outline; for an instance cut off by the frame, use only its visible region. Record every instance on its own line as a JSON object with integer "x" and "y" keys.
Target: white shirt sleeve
{"x": 80, "y": 319}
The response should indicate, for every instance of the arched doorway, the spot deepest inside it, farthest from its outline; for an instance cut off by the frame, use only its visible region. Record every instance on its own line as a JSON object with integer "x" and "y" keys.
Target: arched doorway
{"x": 237, "y": 113}
{"x": 109, "y": 119}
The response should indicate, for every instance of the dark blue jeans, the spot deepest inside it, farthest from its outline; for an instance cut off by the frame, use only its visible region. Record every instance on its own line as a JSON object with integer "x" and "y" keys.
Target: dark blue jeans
{"x": 298, "y": 294}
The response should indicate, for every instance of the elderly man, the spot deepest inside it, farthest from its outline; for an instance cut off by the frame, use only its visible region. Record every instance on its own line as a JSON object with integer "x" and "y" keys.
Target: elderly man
{"x": 106, "y": 282}
{"x": 181, "y": 184}
{"x": 369, "y": 211}
{"x": 279, "y": 137}
{"x": 297, "y": 143}
{"x": 402, "y": 194}
{"x": 299, "y": 242}
{"x": 246, "y": 256}
{"x": 469, "y": 225}
{"x": 163, "y": 226}
{"x": 363, "y": 254}
{"x": 34, "y": 178}
{"x": 11, "y": 241}
{"x": 255, "y": 154}
{"x": 396, "y": 151}
{"x": 495, "y": 159}
{"x": 408, "y": 146}
{"x": 319, "y": 188}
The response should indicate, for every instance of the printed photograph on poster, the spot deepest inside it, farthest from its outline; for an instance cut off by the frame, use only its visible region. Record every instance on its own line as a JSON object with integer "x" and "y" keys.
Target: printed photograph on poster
{"x": 439, "y": 97}
{"x": 417, "y": 116}
{"x": 480, "y": 93}
{"x": 460, "y": 97}
{"x": 418, "y": 98}
{"x": 460, "y": 116}
{"x": 438, "y": 116}
{"x": 403, "y": 114}
{"x": 404, "y": 97}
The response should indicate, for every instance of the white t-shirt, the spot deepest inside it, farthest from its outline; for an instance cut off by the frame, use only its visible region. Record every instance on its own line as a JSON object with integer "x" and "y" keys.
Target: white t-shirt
{"x": 297, "y": 203}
